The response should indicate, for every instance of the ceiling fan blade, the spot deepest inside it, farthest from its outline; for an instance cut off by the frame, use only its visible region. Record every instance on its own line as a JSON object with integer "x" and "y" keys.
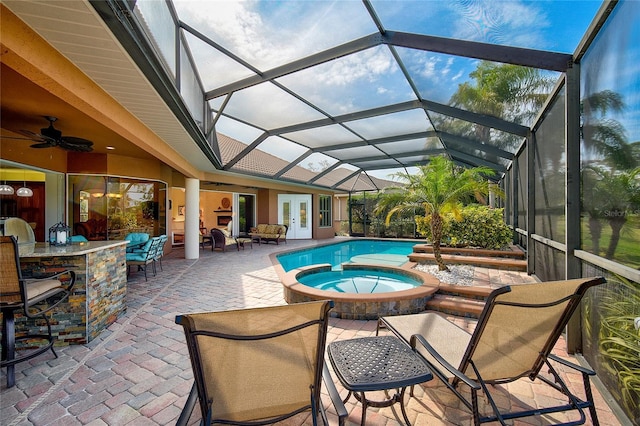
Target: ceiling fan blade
{"x": 36, "y": 137}
{"x": 16, "y": 138}
{"x": 50, "y": 137}
{"x": 75, "y": 147}
{"x": 32, "y": 136}
{"x": 76, "y": 141}
{"x": 42, "y": 145}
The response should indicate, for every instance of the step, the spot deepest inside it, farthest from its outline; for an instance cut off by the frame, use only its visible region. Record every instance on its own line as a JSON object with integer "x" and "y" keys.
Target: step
{"x": 468, "y": 292}
{"x": 513, "y": 252}
{"x": 455, "y": 306}
{"x": 501, "y": 263}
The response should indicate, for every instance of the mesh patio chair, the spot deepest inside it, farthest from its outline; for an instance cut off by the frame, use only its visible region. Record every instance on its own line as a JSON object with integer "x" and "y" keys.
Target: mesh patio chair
{"x": 142, "y": 257}
{"x": 259, "y": 366}
{"x": 513, "y": 339}
{"x": 35, "y": 297}
{"x": 160, "y": 251}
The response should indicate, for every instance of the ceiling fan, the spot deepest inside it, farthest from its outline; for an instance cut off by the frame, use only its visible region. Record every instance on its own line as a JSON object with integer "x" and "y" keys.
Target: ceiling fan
{"x": 50, "y": 137}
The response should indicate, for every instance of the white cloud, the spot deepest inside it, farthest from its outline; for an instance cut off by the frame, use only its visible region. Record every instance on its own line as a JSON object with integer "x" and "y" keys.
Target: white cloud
{"x": 367, "y": 65}
{"x": 511, "y": 22}
{"x": 457, "y": 76}
{"x": 268, "y": 34}
{"x": 447, "y": 68}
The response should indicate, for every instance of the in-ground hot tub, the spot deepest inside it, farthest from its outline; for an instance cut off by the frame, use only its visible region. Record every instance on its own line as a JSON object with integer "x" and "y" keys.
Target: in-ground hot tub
{"x": 363, "y": 257}
{"x": 366, "y": 304}
{"x": 358, "y": 280}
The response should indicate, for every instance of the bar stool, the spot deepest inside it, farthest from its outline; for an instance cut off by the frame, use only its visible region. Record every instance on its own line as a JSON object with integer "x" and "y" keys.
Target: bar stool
{"x": 36, "y": 297}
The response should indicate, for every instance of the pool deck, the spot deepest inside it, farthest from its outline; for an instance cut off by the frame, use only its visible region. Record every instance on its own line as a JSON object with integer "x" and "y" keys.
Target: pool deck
{"x": 137, "y": 372}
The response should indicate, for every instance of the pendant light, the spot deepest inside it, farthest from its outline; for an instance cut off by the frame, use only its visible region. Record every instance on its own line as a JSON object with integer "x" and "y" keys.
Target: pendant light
{"x": 6, "y": 189}
{"x": 24, "y": 191}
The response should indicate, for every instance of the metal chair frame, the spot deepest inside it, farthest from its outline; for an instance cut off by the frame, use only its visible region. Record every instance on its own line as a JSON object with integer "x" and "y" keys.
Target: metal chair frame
{"x": 159, "y": 252}
{"x": 491, "y": 343}
{"x": 199, "y": 390}
{"x": 148, "y": 258}
{"x": 34, "y": 308}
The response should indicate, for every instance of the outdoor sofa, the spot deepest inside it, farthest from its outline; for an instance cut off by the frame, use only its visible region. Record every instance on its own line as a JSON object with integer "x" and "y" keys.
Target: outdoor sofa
{"x": 266, "y": 232}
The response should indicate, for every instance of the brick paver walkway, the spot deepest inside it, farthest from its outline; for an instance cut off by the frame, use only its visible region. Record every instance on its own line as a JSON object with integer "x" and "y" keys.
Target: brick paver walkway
{"x": 138, "y": 373}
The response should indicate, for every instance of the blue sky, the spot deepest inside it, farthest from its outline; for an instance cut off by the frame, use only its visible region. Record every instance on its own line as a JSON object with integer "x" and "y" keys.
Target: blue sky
{"x": 267, "y": 34}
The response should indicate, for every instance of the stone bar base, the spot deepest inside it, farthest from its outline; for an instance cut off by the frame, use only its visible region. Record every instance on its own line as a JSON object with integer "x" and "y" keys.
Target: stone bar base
{"x": 97, "y": 298}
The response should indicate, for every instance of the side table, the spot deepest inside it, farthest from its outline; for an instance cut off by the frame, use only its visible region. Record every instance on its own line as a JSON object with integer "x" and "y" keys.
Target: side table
{"x": 206, "y": 240}
{"x": 377, "y": 363}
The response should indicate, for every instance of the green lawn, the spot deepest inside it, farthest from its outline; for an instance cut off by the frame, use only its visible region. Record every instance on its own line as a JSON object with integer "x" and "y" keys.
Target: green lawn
{"x": 628, "y": 249}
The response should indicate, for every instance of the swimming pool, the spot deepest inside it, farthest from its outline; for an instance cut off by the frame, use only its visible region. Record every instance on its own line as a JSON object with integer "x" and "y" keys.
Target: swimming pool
{"x": 378, "y": 252}
{"x": 333, "y": 268}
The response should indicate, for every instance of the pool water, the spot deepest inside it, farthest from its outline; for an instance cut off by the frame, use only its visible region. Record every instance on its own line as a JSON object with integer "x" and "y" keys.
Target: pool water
{"x": 378, "y": 252}
{"x": 359, "y": 281}
{"x": 364, "y": 277}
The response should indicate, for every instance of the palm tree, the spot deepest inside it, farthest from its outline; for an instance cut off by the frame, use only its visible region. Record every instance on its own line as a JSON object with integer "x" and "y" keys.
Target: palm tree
{"x": 437, "y": 188}
{"x": 603, "y": 134}
{"x": 510, "y": 92}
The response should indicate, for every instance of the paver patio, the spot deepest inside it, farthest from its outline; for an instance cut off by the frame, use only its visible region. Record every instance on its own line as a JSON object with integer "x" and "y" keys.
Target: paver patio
{"x": 138, "y": 372}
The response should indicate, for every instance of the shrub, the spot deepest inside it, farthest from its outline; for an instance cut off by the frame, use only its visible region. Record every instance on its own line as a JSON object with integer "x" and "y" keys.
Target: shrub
{"x": 123, "y": 220}
{"x": 480, "y": 226}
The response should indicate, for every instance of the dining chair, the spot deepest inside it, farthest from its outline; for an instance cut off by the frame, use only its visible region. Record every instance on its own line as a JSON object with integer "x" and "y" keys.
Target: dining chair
{"x": 143, "y": 257}
{"x": 160, "y": 252}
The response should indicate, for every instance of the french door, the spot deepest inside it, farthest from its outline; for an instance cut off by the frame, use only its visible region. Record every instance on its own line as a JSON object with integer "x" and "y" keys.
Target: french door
{"x": 294, "y": 210}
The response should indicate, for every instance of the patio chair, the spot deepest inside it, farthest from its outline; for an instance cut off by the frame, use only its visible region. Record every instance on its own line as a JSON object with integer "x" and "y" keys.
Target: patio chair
{"x": 160, "y": 252}
{"x": 20, "y": 229}
{"x": 136, "y": 241}
{"x": 221, "y": 241}
{"x": 36, "y": 297}
{"x": 142, "y": 257}
{"x": 513, "y": 338}
{"x": 259, "y": 366}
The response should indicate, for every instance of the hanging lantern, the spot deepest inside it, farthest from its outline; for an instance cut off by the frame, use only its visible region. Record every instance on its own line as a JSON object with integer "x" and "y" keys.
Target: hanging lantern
{"x": 60, "y": 234}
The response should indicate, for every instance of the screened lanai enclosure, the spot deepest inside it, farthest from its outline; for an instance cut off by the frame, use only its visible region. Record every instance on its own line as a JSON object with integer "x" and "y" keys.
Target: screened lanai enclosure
{"x": 339, "y": 95}
{"x": 343, "y": 94}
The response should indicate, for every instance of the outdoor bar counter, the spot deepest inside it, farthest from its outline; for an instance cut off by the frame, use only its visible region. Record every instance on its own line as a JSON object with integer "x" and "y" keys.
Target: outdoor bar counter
{"x": 98, "y": 296}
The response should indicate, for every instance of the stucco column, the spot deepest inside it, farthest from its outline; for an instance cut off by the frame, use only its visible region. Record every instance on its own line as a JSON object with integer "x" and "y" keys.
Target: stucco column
{"x": 191, "y": 219}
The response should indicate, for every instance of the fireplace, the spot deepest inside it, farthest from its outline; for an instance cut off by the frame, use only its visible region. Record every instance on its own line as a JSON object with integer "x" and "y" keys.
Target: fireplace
{"x": 224, "y": 220}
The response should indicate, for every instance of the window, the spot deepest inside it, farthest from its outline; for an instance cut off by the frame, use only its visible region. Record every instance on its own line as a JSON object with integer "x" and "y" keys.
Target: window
{"x": 325, "y": 211}
{"x": 108, "y": 208}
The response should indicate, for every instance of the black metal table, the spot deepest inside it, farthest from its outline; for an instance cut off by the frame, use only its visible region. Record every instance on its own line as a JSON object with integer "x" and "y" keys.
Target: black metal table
{"x": 377, "y": 363}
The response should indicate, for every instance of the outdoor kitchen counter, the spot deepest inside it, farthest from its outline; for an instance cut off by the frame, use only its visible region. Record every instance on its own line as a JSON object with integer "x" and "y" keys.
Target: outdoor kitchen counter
{"x": 98, "y": 296}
